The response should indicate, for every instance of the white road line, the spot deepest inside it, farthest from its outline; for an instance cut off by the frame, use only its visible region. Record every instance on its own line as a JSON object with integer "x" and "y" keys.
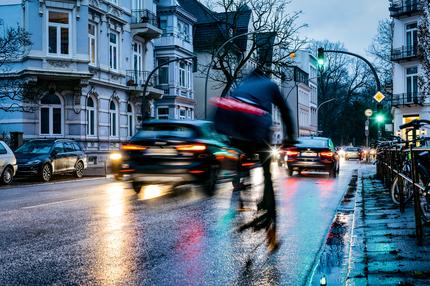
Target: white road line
{"x": 52, "y": 203}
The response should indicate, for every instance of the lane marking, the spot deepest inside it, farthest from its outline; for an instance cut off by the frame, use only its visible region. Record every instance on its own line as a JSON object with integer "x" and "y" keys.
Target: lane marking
{"x": 51, "y": 203}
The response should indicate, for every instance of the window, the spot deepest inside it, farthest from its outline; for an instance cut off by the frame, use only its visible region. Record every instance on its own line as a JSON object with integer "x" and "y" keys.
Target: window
{"x": 163, "y": 72}
{"x": 68, "y": 147}
{"x": 113, "y": 51}
{"x": 51, "y": 115}
{"x": 2, "y": 149}
{"x": 411, "y": 37}
{"x": 114, "y": 1}
{"x": 58, "y": 33}
{"x": 77, "y": 146}
{"x": 130, "y": 119}
{"x": 182, "y": 74}
{"x": 182, "y": 113}
{"x": 137, "y": 56}
{"x": 91, "y": 117}
{"x": 162, "y": 113}
{"x": 113, "y": 119}
{"x": 184, "y": 31}
{"x": 92, "y": 43}
{"x": 59, "y": 147}
{"x": 163, "y": 26}
{"x": 411, "y": 83}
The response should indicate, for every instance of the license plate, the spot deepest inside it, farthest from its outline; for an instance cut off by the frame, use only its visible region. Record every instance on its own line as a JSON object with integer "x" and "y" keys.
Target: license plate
{"x": 161, "y": 152}
{"x": 309, "y": 154}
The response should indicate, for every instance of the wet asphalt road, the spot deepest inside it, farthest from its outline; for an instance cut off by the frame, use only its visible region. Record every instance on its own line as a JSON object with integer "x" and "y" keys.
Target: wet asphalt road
{"x": 99, "y": 232}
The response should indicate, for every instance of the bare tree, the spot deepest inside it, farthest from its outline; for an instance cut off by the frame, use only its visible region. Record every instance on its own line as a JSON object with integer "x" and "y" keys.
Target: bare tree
{"x": 380, "y": 49}
{"x": 350, "y": 82}
{"x": 274, "y": 40}
{"x": 424, "y": 48}
{"x": 16, "y": 94}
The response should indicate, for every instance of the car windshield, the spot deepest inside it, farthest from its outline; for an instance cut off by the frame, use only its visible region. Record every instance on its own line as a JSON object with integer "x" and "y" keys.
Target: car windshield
{"x": 165, "y": 131}
{"x": 35, "y": 147}
{"x": 312, "y": 143}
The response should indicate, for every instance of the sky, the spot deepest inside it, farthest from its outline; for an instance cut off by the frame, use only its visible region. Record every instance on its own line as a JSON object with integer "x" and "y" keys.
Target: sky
{"x": 352, "y": 22}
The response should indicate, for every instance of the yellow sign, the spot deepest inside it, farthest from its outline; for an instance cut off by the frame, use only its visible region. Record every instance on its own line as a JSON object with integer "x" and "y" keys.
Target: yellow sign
{"x": 379, "y": 96}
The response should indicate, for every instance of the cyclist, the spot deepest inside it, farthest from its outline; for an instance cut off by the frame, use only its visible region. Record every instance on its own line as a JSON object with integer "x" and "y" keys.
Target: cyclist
{"x": 263, "y": 92}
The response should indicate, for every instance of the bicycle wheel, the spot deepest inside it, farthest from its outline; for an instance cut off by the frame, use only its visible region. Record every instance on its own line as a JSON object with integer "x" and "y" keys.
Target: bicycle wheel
{"x": 407, "y": 187}
{"x": 423, "y": 180}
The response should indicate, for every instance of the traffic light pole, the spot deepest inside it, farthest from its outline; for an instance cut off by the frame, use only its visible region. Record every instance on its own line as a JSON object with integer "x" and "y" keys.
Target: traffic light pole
{"x": 144, "y": 111}
{"x": 375, "y": 74}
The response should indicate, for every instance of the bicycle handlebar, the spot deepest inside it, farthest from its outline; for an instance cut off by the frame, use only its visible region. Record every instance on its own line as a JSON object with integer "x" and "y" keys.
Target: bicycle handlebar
{"x": 415, "y": 124}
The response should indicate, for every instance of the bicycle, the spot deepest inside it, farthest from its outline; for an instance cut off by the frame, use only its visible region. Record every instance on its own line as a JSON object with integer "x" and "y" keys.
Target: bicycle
{"x": 266, "y": 213}
{"x": 422, "y": 167}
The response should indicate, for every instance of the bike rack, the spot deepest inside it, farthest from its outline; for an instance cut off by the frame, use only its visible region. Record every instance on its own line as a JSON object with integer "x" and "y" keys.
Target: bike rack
{"x": 389, "y": 163}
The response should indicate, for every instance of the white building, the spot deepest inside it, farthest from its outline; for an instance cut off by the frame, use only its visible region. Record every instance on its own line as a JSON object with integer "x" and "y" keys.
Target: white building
{"x": 301, "y": 93}
{"x": 408, "y": 102}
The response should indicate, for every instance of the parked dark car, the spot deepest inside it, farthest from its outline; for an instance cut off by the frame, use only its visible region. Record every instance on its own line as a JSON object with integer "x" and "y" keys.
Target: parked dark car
{"x": 178, "y": 152}
{"x": 312, "y": 153}
{"x": 46, "y": 157}
{"x": 353, "y": 153}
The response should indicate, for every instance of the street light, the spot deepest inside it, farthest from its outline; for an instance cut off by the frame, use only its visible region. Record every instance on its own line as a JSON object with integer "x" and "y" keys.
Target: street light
{"x": 380, "y": 118}
{"x": 324, "y": 102}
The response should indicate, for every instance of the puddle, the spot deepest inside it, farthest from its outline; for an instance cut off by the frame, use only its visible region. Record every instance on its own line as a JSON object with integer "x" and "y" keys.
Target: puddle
{"x": 333, "y": 261}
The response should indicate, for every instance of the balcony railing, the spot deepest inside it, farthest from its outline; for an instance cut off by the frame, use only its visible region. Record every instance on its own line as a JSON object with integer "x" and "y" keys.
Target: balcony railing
{"x": 408, "y": 99}
{"x": 137, "y": 78}
{"x": 144, "y": 16}
{"x": 404, "y": 53}
{"x": 405, "y": 7}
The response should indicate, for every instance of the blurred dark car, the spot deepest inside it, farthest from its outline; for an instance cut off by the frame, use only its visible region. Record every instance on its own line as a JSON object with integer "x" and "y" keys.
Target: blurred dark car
{"x": 312, "y": 153}
{"x": 353, "y": 153}
{"x": 178, "y": 152}
{"x": 45, "y": 157}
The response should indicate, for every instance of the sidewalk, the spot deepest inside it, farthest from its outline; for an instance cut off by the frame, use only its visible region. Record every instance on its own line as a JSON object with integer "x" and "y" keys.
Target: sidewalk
{"x": 383, "y": 245}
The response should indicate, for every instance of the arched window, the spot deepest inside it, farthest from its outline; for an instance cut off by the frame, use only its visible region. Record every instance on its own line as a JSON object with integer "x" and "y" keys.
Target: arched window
{"x": 51, "y": 115}
{"x": 113, "y": 116}
{"x": 91, "y": 117}
{"x": 130, "y": 120}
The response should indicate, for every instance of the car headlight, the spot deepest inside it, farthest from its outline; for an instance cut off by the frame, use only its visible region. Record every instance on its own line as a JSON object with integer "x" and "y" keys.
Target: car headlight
{"x": 274, "y": 152}
{"x": 115, "y": 156}
{"x": 34, "y": 162}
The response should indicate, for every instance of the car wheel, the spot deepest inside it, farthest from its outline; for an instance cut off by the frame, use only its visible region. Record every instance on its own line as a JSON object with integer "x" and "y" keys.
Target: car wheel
{"x": 7, "y": 176}
{"x": 136, "y": 187}
{"x": 209, "y": 184}
{"x": 46, "y": 173}
{"x": 333, "y": 172}
{"x": 79, "y": 169}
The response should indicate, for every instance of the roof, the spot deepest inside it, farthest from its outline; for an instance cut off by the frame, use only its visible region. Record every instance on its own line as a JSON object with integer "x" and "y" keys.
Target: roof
{"x": 213, "y": 25}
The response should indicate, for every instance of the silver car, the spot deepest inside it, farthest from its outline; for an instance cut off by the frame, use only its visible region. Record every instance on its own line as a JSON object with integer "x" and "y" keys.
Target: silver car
{"x": 8, "y": 165}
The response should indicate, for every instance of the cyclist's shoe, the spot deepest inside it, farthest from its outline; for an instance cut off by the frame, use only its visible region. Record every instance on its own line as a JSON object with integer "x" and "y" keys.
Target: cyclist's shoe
{"x": 262, "y": 206}
{"x": 272, "y": 240}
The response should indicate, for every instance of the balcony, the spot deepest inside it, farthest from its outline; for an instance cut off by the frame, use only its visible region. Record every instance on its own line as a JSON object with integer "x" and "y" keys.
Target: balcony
{"x": 404, "y": 53}
{"x": 405, "y": 8}
{"x": 136, "y": 80}
{"x": 407, "y": 99}
{"x": 144, "y": 23}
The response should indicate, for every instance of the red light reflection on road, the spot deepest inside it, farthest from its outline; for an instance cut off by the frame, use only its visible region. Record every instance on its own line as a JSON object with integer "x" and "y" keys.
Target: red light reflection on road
{"x": 325, "y": 187}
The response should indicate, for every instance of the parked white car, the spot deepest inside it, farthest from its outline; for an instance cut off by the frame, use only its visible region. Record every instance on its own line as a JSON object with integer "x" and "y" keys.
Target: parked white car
{"x": 8, "y": 165}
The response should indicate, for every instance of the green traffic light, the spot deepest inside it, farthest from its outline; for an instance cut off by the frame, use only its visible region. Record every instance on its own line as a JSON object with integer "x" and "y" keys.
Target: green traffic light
{"x": 320, "y": 56}
{"x": 380, "y": 118}
{"x": 321, "y": 62}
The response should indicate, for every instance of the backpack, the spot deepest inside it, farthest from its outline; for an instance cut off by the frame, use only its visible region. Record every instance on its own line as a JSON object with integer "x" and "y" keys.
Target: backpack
{"x": 242, "y": 119}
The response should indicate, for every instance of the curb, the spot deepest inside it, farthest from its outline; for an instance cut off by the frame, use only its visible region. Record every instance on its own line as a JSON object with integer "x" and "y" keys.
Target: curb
{"x": 356, "y": 267}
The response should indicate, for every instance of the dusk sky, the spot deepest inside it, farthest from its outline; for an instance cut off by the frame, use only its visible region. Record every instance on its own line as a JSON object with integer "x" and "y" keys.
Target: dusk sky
{"x": 353, "y": 22}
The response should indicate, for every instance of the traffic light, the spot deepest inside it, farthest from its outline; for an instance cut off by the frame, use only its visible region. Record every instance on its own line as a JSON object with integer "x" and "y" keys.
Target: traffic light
{"x": 380, "y": 116}
{"x": 320, "y": 56}
{"x": 195, "y": 64}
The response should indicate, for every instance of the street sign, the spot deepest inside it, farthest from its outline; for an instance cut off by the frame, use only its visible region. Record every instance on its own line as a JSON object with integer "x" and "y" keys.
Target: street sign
{"x": 379, "y": 96}
{"x": 368, "y": 112}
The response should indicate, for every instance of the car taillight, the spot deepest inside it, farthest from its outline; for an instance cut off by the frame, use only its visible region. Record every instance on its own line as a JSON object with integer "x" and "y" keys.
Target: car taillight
{"x": 292, "y": 153}
{"x": 327, "y": 154}
{"x": 191, "y": 147}
{"x": 133, "y": 147}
